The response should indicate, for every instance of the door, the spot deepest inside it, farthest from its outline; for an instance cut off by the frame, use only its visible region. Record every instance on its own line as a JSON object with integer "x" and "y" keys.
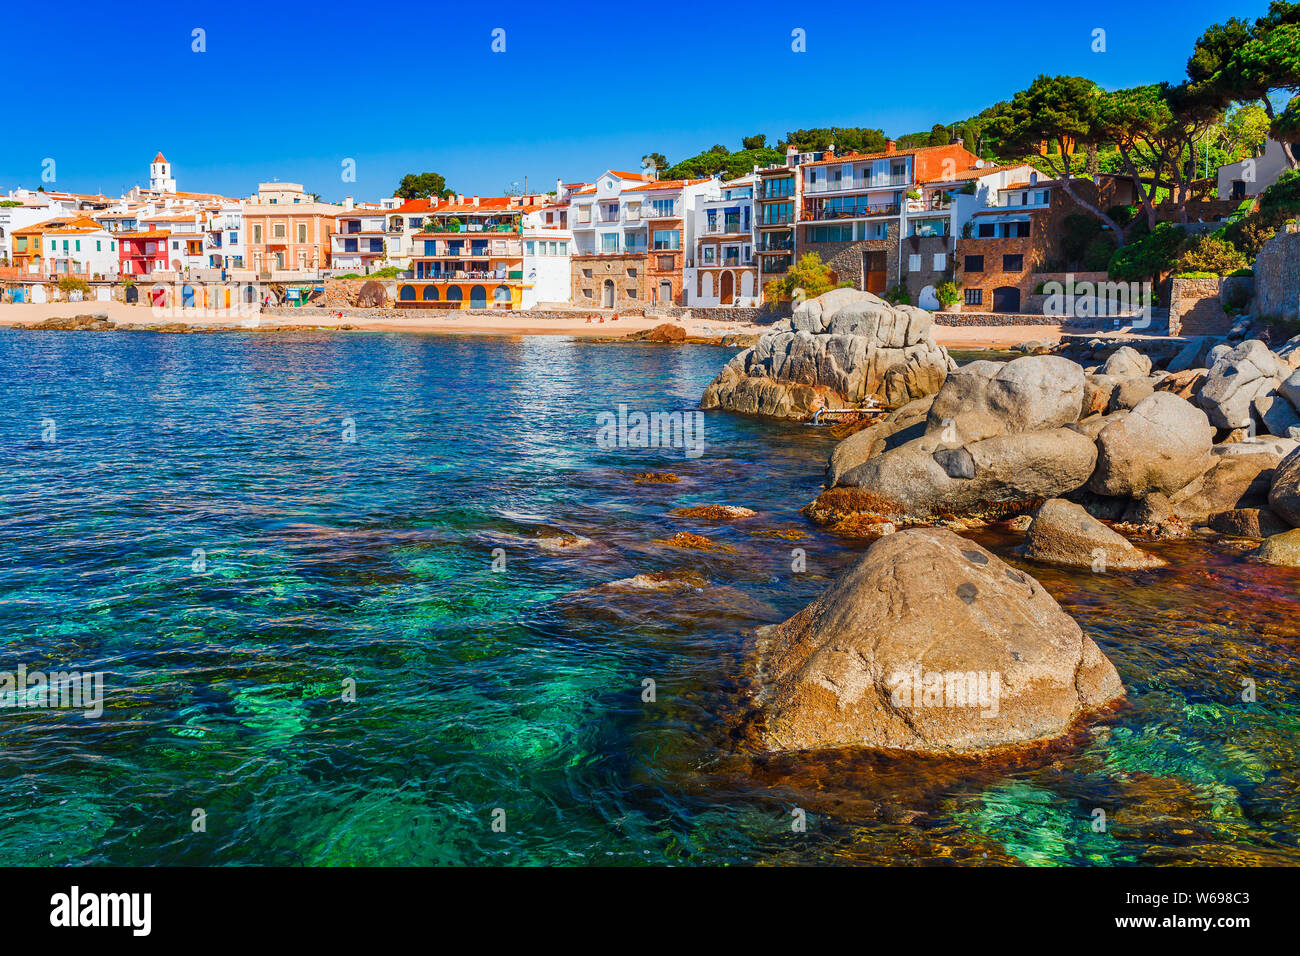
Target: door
{"x": 665, "y": 292}
{"x": 874, "y": 268}
{"x": 607, "y": 294}
{"x": 478, "y": 297}
{"x": 726, "y": 288}
{"x": 1006, "y": 299}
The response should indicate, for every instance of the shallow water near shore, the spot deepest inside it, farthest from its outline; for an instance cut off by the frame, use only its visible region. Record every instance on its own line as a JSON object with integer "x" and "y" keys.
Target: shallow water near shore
{"x": 202, "y": 530}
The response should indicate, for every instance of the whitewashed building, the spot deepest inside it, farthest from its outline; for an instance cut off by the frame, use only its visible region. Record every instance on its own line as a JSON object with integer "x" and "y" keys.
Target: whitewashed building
{"x": 721, "y": 269}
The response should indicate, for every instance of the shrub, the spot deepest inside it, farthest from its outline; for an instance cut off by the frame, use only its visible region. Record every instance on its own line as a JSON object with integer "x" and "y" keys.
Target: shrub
{"x": 1209, "y": 254}
{"x": 809, "y": 274}
{"x": 947, "y": 292}
{"x": 1150, "y": 256}
{"x": 897, "y": 294}
{"x": 1249, "y": 234}
{"x": 1096, "y": 257}
{"x": 73, "y": 284}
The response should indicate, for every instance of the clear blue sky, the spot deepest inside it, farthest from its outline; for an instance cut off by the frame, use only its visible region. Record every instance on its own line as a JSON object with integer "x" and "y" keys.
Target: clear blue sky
{"x": 289, "y": 91}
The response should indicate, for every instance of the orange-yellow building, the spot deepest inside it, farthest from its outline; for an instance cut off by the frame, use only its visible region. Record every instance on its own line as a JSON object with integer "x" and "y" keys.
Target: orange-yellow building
{"x": 286, "y": 229}
{"x": 469, "y": 254}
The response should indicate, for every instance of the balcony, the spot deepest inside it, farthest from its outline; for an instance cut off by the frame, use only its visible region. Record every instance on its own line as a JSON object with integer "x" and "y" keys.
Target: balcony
{"x": 666, "y": 211}
{"x": 862, "y": 211}
{"x": 938, "y": 203}
{"x": 777, "y": 245}
{"x": 857, "y": 182}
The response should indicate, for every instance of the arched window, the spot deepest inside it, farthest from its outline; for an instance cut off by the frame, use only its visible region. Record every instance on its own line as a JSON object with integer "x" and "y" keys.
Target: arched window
{"x": 501, "y": 294}
{"x": 406, "y": 293}
{"x": 430, "y": 293}
{"x": 454, "y": 294}
{"x": 478, "y": 297}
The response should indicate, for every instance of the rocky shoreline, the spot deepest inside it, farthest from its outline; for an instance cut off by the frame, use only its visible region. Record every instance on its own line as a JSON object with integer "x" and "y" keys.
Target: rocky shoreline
{"x": 1079, "y": 446}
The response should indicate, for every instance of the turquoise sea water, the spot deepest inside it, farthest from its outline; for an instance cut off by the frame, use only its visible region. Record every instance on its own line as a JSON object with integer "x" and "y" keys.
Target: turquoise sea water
{"x": 200, "y": 530}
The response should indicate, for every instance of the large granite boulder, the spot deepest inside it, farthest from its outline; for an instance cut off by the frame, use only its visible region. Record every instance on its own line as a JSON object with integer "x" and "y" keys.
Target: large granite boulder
{"x": 984, "y": 399}
{"x": 1238, "y": 376}
{"x": 900, "y": 425}
{"x": 1284, "y": 493}
{"x": 1127, "y": 362}
{"x": 928, "y": 478}
{"x": 928, "y": 643}
{"x": 839, "y": 350}
{"x": 1232, "y": 481}
{"x": 1062, "y": 532}
{"x": 1160, "y": 445}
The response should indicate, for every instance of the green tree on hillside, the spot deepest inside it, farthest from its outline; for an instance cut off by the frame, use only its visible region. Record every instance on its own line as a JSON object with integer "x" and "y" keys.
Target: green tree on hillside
{"x": 1239, "y": 61}
{"x": 757, "y": 141}
{"x": 1061, "y": 112}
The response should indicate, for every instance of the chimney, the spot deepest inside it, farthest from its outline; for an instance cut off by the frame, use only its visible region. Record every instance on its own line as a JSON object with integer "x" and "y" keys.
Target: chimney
{"x": 891, "y": 146}
{"x": 347, "y": 202}
{"x": 433, "y": 202}
{"x": 559, "y": 188}
{"x": 475, "y": 200}
{"x": 830, "y": 150}
{"x": 960, "y": 141}
{"x": 791, "y": 155}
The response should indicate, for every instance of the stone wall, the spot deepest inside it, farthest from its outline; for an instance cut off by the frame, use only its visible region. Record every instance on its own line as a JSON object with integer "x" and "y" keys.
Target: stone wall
{"x": 629, "y": 274}
{"x": 1196, "y": 305}
{"x": 1277, "y": 277}
{"x": 675, "y": 313}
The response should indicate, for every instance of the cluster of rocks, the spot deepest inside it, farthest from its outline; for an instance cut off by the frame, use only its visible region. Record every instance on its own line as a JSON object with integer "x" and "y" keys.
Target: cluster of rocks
{"x": 1124, "y": 442}
{"x": 843, "y": 349}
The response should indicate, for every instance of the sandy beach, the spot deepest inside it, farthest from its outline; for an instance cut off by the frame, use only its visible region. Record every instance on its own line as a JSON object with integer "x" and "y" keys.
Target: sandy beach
{"x": 504, "y": 323}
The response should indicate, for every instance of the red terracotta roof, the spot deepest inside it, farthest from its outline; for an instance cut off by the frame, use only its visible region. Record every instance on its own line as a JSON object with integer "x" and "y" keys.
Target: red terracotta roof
{"x": 160, "y": 158}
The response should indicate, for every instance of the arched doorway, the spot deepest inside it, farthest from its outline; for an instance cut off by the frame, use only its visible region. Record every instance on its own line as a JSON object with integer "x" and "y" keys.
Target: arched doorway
{"x": 501, "y": 296}
{"x": 607, "y": 294}
{"x": 928, "y": 299}
{"x": 406, "y": 293}
{"x": 454, "y": 294}
{"x": 430, "y": 293}
{"x": 187, "y": 296}
{"x": 132, "y": 295}
{"x": 250, "y": 294}
{"x": 747, "y": 285}
{"x": 1006, "y": 298}
{"x": 726, "y": 288}
{"x": 478, "y": 297}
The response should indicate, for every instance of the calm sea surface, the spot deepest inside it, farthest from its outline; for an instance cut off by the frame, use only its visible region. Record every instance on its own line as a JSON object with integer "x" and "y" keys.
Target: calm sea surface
{"x": 202, "y": 530}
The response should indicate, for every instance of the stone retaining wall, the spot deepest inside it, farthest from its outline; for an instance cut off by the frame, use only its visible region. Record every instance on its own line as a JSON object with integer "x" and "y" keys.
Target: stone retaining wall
{"x": 1277, "y": 277}
{"x": 1196, "y": 305}
{"x": 675, "y": 313}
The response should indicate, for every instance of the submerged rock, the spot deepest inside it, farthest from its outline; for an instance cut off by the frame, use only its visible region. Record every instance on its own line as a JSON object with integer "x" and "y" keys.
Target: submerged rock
{"x": 714, "y": 512}
{"x": 1282, "y": 549}
{"x": 1062, "y": 532}
{"x": 929, "y": 643}
{"x": 1248, "y": 523}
